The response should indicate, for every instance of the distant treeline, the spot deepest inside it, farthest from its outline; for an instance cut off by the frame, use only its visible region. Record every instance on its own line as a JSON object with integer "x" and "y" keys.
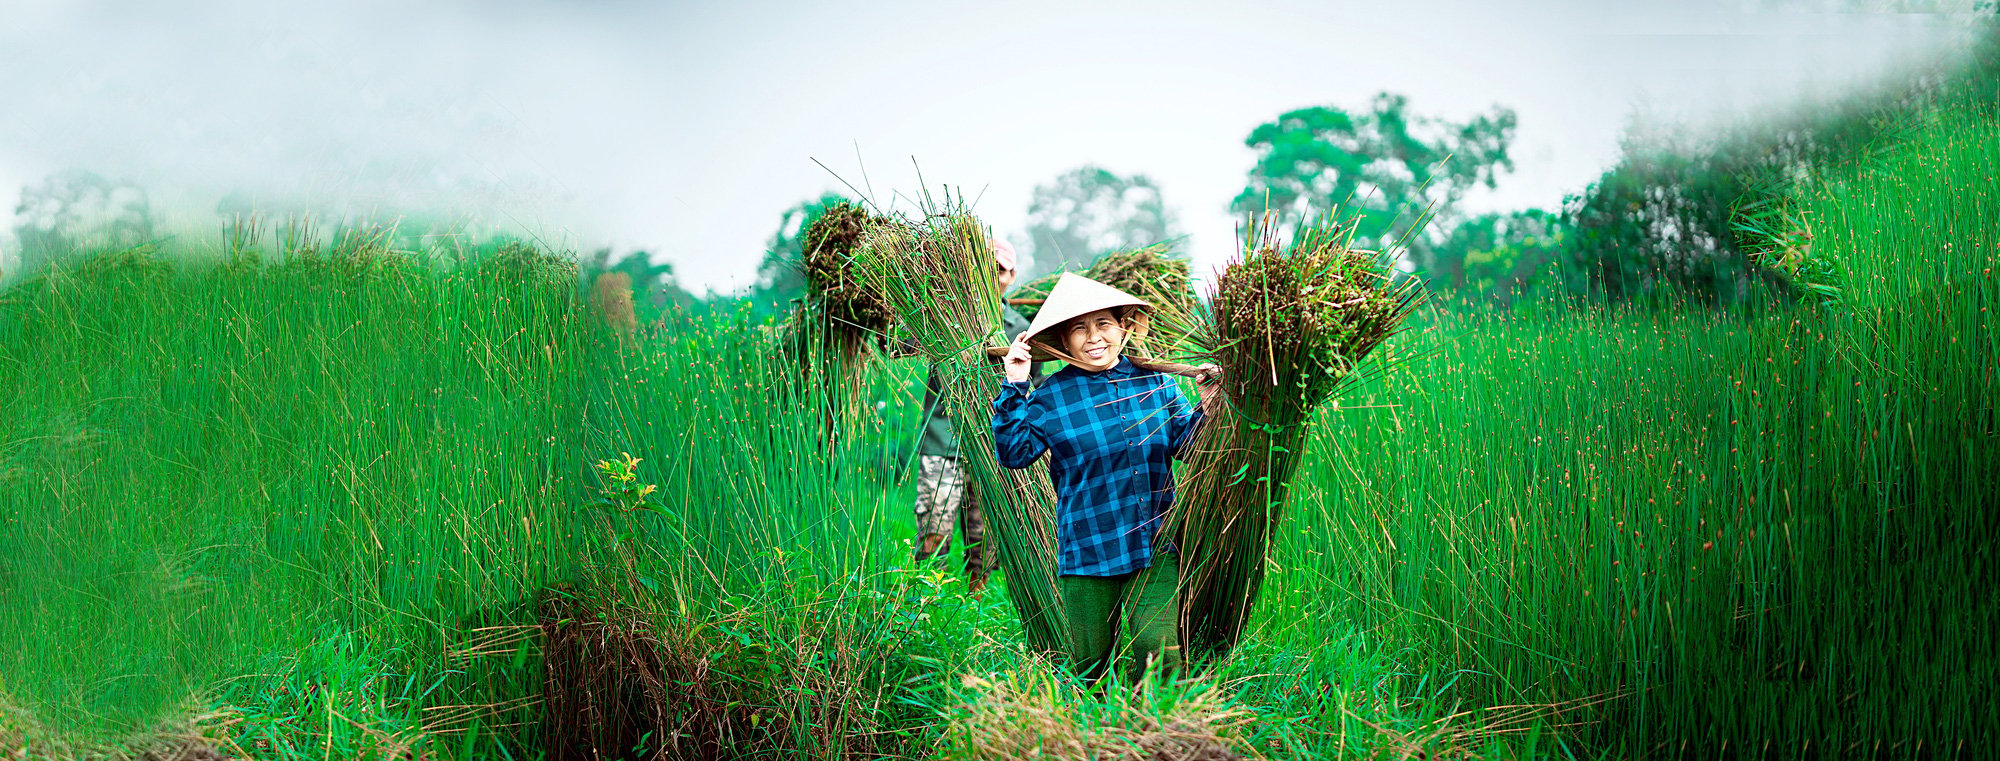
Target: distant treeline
{"x": 1682, "y": 219}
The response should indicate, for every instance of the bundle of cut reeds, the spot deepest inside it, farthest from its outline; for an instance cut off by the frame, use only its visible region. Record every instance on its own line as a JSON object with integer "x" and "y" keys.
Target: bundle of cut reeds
{"x": 834, "y": 330}
{"x": 937, "y": 277}
{"x": 831, "y": 244}
{"x": 1031, "y": 294}
{"x": 1152, "y": 273}
{"x": 1290, "y": 325}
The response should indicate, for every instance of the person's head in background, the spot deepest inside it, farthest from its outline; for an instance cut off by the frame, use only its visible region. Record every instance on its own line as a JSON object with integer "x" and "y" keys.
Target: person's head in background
{"x": 1004, "y": 260}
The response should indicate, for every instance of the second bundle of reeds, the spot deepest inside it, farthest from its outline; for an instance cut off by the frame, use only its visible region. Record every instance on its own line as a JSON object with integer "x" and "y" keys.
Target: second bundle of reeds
{"x": 937, "y": 276}
{"x": 1152, "y": 273}
{"x": 1289, "y": 325}
{"x": 834, "y": 329}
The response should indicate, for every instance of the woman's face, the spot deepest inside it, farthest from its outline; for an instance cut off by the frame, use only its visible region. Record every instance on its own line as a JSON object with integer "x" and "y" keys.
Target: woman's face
{"x": 1095, "y": 340}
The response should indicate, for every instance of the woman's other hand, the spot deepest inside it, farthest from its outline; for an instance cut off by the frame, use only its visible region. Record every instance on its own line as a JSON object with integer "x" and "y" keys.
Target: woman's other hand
{"x": 1210, "y": 383}
{"x": 1019, "y": 361}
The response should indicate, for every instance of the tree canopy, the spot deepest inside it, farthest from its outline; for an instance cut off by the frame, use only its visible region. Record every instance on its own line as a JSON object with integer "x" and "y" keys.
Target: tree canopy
{"x": 1504, "y": 256}
{"x": 1383, "y": 162}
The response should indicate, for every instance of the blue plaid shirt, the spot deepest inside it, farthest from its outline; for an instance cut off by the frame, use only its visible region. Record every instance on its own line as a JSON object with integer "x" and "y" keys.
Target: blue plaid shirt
{"x": 1112, "y": 438}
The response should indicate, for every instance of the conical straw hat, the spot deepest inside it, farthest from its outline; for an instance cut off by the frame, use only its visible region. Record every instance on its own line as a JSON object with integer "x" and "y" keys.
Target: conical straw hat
{"x": 1074, "y": 296}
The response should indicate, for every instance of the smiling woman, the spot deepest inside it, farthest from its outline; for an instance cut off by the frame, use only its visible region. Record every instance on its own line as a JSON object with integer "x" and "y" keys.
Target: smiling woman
{"x": 1111, "y": 430}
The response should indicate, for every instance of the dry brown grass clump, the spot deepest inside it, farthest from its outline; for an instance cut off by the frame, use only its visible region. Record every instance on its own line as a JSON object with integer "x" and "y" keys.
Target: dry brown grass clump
{"x": 611, "y": 299}
{"x": 16, "y": 727}
{"x": 604, "y": 686}
{"x": 751, "y": 682}
{"x": 184, "y": 749}
{"x": 189, "y": 736}
{"x": 1031, "y": 715}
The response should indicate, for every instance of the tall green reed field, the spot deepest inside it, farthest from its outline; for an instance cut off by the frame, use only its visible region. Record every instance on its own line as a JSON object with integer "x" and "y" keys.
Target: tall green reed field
{"x": 208, "y": 464}
{"x": 1771, "y": 531}
{"x": 212, "y": 468}
{"x": 332, "y": 489}
{"x": 318, "y": 501}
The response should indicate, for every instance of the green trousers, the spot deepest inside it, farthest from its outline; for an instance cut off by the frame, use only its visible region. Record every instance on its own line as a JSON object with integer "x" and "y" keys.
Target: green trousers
{"x": 1134, "y": 615}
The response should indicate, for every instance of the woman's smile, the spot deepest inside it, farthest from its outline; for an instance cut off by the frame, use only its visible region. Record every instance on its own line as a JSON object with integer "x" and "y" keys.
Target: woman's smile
{"x": 1094, "y": 340}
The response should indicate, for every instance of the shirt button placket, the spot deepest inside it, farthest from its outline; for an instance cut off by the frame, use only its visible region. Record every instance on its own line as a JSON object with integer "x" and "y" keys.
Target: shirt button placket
{"x": 1125, "y": 429}
{"x": 1132, "y": 436}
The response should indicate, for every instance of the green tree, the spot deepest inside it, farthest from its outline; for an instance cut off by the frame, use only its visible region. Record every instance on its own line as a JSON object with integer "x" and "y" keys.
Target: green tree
{"x": 1089, "y": 211}
{"x": 1507, "y": 255}
{"x": 1384, "y": 162}
{"x": 781, "y": 276}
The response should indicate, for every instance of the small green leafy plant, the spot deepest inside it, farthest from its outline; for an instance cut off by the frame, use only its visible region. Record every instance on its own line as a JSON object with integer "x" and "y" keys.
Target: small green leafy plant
{"x": 623, "y": 494}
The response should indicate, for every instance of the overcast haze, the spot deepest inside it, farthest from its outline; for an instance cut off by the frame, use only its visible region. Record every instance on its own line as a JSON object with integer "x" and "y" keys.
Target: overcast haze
{"x": 687, "y": 129}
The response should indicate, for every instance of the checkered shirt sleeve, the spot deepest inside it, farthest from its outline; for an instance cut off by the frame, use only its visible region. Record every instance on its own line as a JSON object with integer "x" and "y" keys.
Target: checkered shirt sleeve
{"x": 1111, "y": 438}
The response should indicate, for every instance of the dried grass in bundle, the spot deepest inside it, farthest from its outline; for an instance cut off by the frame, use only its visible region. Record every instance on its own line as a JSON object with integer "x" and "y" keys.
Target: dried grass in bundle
{"x": 773, "y": 680}
{"x": 619, "y": 683}
{"x": 832, "y": 244}
{"x": 604, "y": 687}
{"x": 834, "y": 329}
{"x": 938, "y": 278}
{"x": 1031, "y": 294}
{"x": 192, "y": 732}
{"x": 1152, "y": 273}
{"x": 1290, "y": 325}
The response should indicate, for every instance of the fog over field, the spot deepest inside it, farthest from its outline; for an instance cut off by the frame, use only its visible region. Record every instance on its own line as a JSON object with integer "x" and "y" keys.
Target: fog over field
{"x": 686, "y": 129}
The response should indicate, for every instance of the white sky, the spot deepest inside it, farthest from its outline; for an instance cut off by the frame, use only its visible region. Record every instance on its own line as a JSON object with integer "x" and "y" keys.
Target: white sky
{"x": 687, "y": 128}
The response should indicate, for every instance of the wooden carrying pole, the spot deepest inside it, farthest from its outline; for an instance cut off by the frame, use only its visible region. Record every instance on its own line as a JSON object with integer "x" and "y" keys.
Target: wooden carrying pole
{"x": 1171, "y": 368}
